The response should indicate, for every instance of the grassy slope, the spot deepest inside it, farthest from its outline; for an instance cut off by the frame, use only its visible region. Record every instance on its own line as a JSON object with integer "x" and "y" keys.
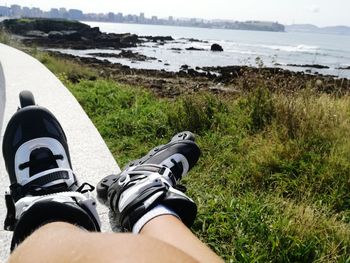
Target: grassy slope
{"x": 273, "y": 182}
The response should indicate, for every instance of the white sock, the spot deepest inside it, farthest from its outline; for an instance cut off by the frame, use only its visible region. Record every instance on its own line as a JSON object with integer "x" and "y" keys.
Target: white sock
{"x": 157, "y": 211}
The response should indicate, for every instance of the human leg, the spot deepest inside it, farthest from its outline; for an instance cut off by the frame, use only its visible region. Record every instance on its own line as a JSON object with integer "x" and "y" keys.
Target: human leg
{"x": 61, "y": 242}
{"x": 142, "y": 196}
{"x": 162, "y": 238}
{"x": 148, "y": 200}
{"x": 171, "y": 230}
{"x": 43, "y": 185}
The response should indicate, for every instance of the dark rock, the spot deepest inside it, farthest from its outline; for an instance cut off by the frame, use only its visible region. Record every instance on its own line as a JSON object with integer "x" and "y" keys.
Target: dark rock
{"x": 191, "y": 72}
{"x": 36, "y": 33}
{"x": 184, "y": 67}
{"x": 175, "y": 49}
{"x": 194, "y": 40}
{"x": 346, "y": 68}
{"x": 133, "y": 56}
{"x": 56, "y": 33}
{"x": 158, "y": 38}
{"x": 129, "y": 39}
{"x": 23, "y": 25}
{"x": 308, "y": 66}
{"x": 216, "y": 47}
{"x": 195, "y": 49}
{"x": 91, "y": 33}
{"x": 65, "y": 35}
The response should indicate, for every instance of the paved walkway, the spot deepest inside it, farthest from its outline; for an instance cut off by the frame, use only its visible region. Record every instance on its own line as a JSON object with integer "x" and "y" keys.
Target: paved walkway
{"x": 90, "y": 156}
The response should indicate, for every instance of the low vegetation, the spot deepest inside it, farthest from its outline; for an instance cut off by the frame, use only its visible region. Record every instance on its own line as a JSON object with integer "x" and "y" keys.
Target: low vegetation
{"x": 273, "y": 182}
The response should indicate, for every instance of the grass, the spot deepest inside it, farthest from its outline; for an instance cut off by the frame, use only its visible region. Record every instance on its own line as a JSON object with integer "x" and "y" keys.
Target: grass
{"x": 273, "y": 182}
{"x": 64, "y": 69}
{"x": 274, "y": 188}
{"x": 8, "y": 39}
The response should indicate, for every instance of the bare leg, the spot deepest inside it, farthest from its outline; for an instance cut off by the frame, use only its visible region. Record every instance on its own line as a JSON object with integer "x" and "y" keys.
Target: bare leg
{"x": 61, "y": 242}
{"x": 171, "y": 230}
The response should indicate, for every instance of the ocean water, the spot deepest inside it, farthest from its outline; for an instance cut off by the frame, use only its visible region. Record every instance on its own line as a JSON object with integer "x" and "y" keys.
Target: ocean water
{"x": 240, "y": 48}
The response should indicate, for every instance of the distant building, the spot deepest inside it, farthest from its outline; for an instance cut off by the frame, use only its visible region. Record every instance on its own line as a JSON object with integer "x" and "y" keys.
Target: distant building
{"x": 63, "y": 13}
{"x": 111, "y": 17}
{"x": 154, "y": 19}
{"x": 54, "y": 13}
{"x": 26, "y": 12}
{"x": 16, "y": 10}
{"x": 142, "y": 18}
{"x": 4, "y": 11}
{"x": 119, "y": 17}
{"x": 75, "y": 14}
{"x": 36, "y": 12}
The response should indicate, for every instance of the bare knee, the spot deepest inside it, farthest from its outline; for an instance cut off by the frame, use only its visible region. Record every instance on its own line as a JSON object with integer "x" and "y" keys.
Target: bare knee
{"x": 62, "y": 242}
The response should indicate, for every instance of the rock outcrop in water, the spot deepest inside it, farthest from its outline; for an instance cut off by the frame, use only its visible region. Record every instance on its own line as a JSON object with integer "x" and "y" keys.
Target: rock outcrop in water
{"x": 216, "y": 47}
{"x": 133, "y": 56}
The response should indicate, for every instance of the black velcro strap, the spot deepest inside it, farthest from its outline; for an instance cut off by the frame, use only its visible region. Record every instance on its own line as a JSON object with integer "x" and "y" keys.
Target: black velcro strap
{"x": 48, "y": 178}
{"x": 41, "y": 160}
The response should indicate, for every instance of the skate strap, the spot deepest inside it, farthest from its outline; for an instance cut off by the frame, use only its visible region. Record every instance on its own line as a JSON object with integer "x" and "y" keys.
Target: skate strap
{"x": 41, "y": 160}
{"x": 48, "y": 178}
{"x": 41, "y": 182}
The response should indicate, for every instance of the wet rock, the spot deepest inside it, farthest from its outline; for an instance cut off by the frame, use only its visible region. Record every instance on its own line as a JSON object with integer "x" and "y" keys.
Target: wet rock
{"x": 36, "y": 33}
{"x": 216, "y": 47}
{"x": 133, "y": 56}
{"x": 184, "y": 67}
{"x": 158, "y": 38}
{"x": 195, "y": 49}
{"x": 194, "y": 40}
{"x": 91, "y": 33}
{"x": 344, "y": 68}
{"x": 308, "y": 66}
{"x": 65, "y": 35}
{"x": 128, "y": 39}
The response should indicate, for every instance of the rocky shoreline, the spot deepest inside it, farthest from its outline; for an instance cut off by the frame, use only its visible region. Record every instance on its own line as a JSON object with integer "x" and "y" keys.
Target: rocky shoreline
{"x": 223, "y": 80}
{"x": 64, "y": 34}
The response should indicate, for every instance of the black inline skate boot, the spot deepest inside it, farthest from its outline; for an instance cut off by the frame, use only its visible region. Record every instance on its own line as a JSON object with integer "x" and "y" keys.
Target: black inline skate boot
{"x": 151, "y": 181}
{"x": 43, "y": 186}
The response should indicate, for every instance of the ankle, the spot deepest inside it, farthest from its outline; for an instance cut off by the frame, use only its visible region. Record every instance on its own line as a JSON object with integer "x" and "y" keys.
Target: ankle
{"x": 158, "y": 211}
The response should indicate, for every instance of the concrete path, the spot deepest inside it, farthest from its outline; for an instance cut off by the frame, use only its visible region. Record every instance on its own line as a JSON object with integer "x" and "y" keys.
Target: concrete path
{"x": 90, "y": 156}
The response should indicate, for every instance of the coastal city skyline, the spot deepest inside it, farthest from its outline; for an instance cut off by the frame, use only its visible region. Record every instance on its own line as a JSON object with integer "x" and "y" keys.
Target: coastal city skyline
{"x": 17, "y": 11}
{"x": 320, "y": 12}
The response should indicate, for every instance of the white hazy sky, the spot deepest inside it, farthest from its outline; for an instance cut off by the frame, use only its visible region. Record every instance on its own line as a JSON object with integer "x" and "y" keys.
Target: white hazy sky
{"x": 318, "y": 12}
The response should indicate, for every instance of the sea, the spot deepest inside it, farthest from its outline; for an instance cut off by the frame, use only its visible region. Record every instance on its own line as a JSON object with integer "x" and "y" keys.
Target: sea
{"x": 252, "y": 48}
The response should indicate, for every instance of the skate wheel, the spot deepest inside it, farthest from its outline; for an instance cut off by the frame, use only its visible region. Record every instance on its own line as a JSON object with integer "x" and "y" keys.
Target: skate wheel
{"x": 103, "y": 185}
{"x": 26, "y": 98}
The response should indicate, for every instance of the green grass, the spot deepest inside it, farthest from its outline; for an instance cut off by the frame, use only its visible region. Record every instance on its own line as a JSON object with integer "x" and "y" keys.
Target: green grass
{"x": 8, "y": 39}
{"x": 66, "y": 70}
{"x": 274, "y": 178}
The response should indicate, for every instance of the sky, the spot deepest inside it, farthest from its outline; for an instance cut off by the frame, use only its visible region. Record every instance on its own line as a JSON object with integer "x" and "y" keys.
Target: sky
{"x": 317, "y": 12}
